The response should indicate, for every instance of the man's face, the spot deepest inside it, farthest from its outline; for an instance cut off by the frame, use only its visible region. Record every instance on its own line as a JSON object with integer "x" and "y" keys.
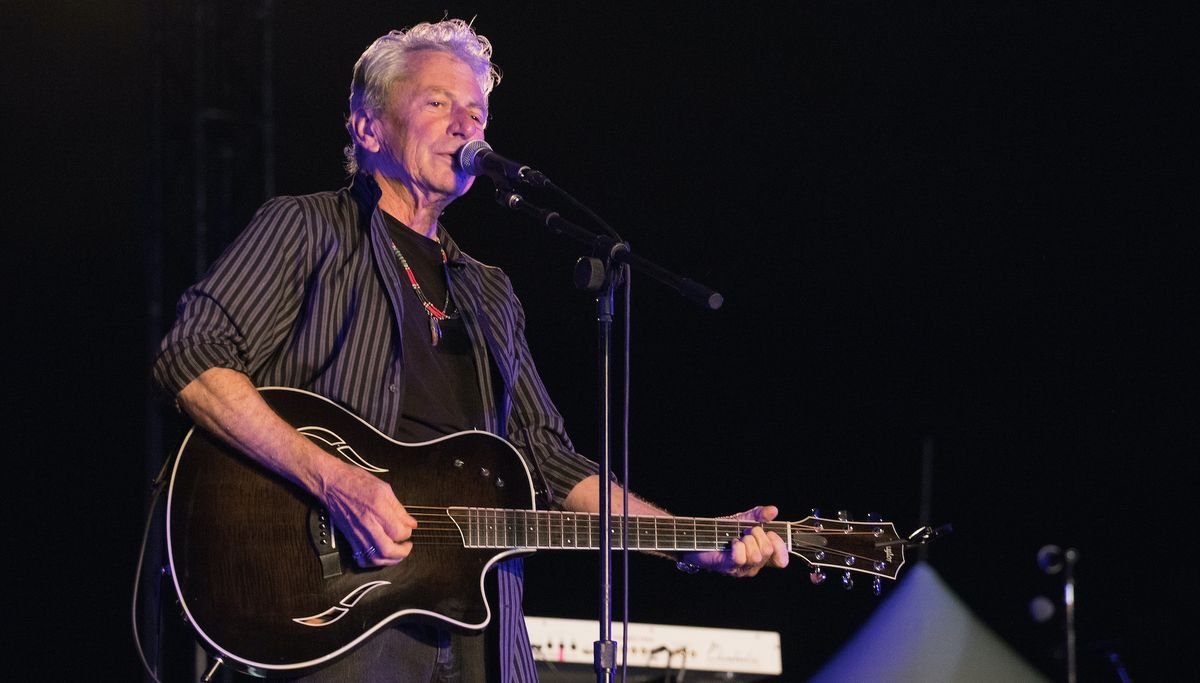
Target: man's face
{"x": 430, "y": 115}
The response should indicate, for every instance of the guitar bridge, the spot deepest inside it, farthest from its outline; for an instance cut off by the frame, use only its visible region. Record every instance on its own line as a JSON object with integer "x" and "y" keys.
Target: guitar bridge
{"x": 320, "y": 533}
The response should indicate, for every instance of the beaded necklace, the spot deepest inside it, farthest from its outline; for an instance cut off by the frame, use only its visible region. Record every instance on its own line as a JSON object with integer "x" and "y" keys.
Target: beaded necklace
{"x": 435, "y": 314}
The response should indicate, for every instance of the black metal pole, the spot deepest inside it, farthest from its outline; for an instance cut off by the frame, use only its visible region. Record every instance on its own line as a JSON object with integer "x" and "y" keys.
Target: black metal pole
{"x": 605, "y": 648}
{"x": 612, "y": 254}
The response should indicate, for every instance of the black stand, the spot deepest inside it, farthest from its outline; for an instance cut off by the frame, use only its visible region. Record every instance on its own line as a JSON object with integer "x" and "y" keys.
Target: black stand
{"x": 1053, "y": 559}
{"x": 599, "y": 274}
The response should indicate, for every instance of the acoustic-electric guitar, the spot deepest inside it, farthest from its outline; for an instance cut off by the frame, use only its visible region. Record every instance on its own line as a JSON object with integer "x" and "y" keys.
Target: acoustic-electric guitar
{"x": 271, "y": 588}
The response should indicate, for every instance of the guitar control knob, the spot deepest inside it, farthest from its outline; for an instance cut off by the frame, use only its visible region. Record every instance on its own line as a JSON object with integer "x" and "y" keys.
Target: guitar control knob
{"x": 847, "y": 580}
{"x": 485, "y": 472}
{"x": 817, "y": 575}
{"x": 499, "y": 483}
{"x": 877, "y": 586}
{"x": 458, "y": 463}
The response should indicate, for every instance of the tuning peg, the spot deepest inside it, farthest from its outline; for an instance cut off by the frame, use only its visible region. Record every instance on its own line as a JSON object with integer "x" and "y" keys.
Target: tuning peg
{"x": 873, "y": 517}
{"x": 843, "y": 516}
{"x": 817, "y": 575}
{"x": 816, "y": 512}
{"x": 847, "y": 580}
{"x": 877, "y": 586}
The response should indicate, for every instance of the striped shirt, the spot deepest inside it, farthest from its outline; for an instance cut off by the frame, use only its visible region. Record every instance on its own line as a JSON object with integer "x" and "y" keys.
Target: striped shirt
{"x": 309, "y": 296}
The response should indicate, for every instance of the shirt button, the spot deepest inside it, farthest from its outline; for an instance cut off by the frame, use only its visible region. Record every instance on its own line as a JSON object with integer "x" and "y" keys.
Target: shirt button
{"x": 392, "y": 388}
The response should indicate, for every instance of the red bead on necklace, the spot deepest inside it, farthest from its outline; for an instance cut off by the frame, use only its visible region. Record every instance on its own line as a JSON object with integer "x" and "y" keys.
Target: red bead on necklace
{"x": 435, "y": 314}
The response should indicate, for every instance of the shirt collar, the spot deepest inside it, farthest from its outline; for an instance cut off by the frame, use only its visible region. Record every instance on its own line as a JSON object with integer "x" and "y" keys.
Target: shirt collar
{"x": 366, "y": 192}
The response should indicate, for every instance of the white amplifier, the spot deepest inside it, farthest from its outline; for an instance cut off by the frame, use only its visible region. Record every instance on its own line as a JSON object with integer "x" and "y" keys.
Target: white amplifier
{"x": 564, "y": 648}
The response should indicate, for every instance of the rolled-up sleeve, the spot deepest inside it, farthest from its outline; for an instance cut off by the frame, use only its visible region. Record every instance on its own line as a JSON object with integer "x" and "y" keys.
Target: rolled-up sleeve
{"x": 243, "y": 309}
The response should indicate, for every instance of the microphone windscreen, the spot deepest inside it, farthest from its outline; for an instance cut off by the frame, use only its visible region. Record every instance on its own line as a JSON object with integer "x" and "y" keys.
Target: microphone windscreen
{"x": 468, "y": 156}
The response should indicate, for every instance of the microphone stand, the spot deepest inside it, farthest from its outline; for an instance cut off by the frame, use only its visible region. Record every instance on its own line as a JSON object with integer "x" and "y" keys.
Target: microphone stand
{"x": 599, "y": 274}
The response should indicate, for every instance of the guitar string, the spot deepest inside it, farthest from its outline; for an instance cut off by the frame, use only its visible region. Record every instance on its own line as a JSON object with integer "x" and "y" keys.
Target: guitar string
{"x": 441, "y": 529}
{"x": 562, "y": 520}
{"x": 584, "y": 543}
{"x": 444, "y": 513}
{"x": 571, "y": 537}
{"x": 453, "y": 538}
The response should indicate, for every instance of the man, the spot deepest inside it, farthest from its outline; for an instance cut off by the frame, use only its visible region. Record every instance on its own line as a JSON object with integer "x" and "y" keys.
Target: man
{"x": 361, "y": 296}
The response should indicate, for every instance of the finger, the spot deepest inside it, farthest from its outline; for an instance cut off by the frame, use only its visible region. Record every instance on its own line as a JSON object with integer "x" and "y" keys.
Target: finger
{"x": 780, "y": 557}
{"x": 752, "y": 515}
{"x": 406, "y": 519}
{"x": 386, "y": 551}
{"x": 737, "y": 554}
{"x": 395, "y": 529}
{"x": 754, "y": 555}
{"x": 396, "y": 522}
{"x": 765, "y": 548}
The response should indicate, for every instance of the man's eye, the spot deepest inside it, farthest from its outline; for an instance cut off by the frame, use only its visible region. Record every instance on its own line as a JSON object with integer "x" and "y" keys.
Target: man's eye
{"x": 435, "y": 103}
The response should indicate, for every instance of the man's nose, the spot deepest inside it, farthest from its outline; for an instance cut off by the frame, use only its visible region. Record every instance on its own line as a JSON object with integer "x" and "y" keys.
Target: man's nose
{"x": 463, "y": 124}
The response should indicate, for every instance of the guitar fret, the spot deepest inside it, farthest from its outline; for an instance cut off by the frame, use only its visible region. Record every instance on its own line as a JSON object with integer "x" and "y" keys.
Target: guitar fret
{"x": 473, "y": 526}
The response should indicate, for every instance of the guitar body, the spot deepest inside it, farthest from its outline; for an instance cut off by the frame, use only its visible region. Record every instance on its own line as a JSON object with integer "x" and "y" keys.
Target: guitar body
{"x": 245, "y": 546}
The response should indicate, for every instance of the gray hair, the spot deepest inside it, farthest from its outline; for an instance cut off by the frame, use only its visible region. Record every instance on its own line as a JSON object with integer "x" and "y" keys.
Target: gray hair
{"x": 386, "y": 61}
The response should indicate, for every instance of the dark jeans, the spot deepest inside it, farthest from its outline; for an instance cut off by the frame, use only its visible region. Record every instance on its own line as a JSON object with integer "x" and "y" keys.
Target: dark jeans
{"x": 413, "y": 652}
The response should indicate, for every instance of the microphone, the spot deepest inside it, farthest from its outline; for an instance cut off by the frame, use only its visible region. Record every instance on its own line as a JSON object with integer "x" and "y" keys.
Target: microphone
{"x": 477, "y": 158}
{"x": 1050, "y": 559}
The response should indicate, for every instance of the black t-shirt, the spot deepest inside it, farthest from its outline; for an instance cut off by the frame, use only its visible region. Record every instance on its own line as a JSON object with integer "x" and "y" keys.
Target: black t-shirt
{"x": 441, "y": 387}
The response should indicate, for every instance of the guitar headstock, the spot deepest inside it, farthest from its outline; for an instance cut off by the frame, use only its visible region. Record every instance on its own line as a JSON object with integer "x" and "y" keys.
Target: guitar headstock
{"x": 868, "y": 547}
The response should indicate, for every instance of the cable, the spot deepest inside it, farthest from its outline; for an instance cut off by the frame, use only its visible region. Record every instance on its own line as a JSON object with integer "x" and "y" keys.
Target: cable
{"x": 626, "y": 273}
{"x": 157, "y": 488}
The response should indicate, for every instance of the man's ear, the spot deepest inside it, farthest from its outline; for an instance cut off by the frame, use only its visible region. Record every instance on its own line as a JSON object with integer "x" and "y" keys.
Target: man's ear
{"x": 362, "y": 127}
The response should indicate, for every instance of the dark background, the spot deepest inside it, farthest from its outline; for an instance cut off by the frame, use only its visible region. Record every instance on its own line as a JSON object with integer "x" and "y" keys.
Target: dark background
{"x": 963, "y": 225}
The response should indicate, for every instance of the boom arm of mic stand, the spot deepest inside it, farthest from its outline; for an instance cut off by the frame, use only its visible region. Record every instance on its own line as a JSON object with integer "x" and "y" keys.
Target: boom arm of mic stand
{"x": 689, "y": 289}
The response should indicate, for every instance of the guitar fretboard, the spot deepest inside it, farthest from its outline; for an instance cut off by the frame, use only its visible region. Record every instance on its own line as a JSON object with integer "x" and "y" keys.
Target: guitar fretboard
{"x": 500, "y": 528}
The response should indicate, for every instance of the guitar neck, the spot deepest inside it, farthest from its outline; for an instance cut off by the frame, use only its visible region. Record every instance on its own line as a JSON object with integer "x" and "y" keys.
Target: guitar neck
{"x": 500, "y": 528}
